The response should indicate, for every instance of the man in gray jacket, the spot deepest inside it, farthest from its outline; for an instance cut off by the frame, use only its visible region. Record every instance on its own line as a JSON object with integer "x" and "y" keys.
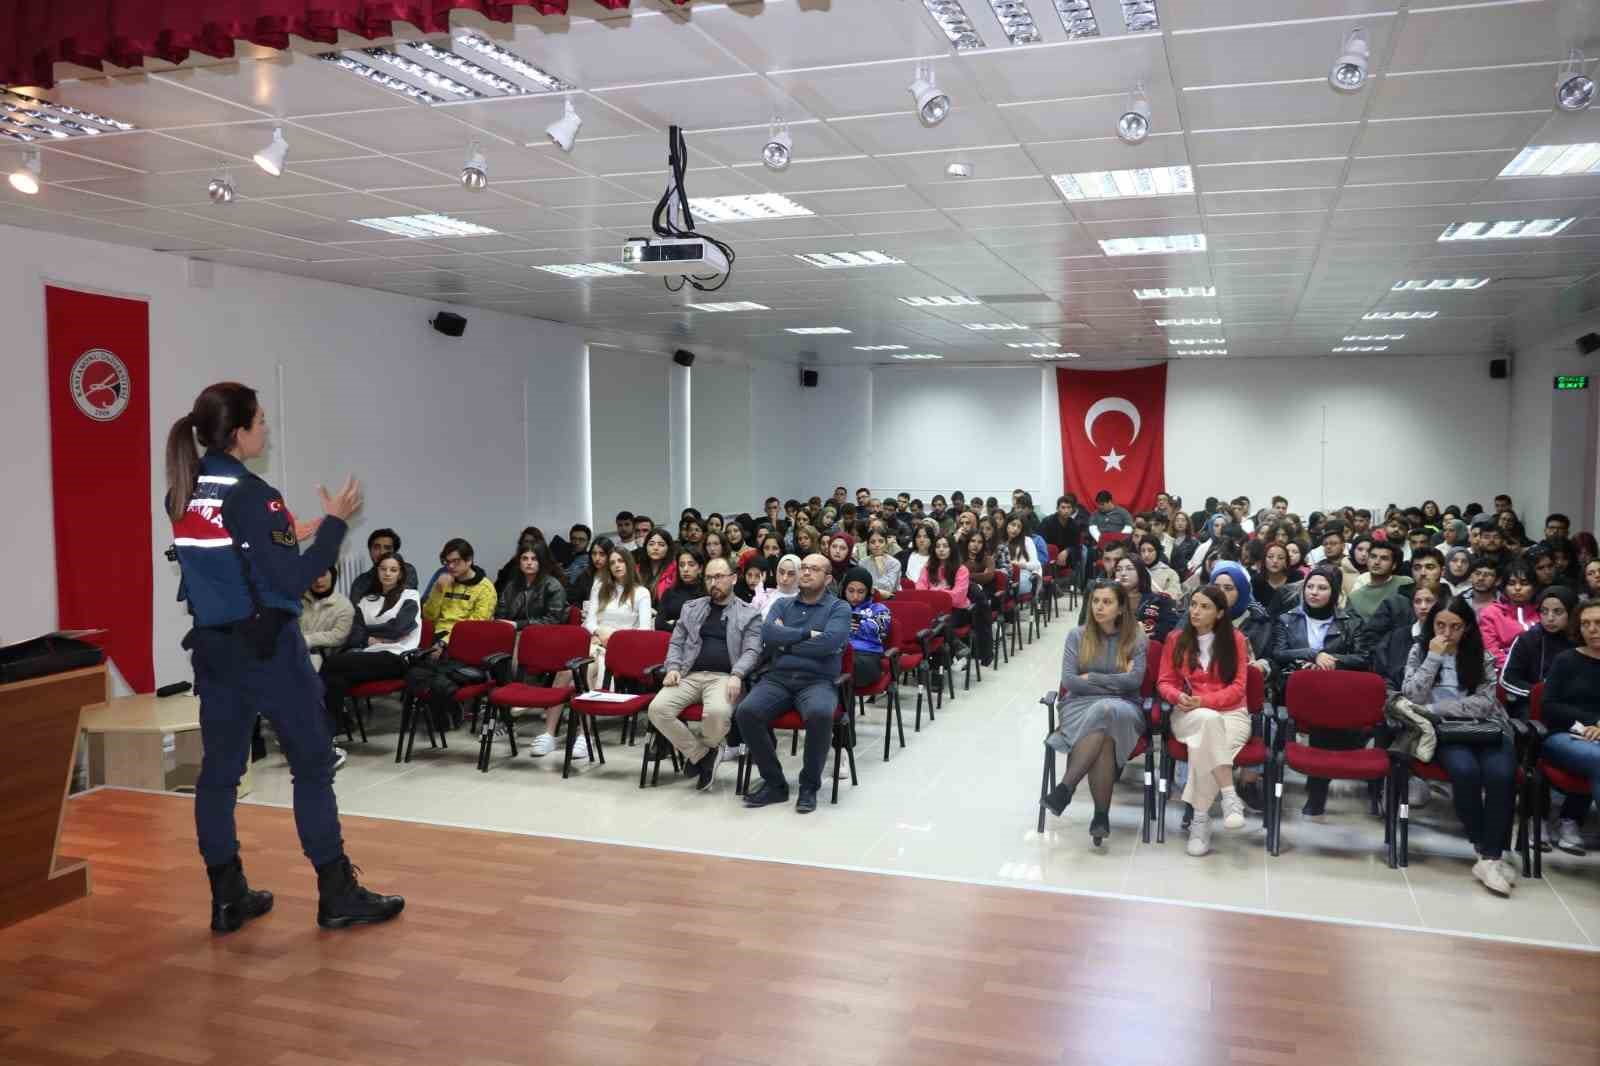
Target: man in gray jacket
{"x": 715, "y": 645}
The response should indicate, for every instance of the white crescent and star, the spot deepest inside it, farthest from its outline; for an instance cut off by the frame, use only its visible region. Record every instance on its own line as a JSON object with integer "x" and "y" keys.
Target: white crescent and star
{"x": 1107, "y": 405}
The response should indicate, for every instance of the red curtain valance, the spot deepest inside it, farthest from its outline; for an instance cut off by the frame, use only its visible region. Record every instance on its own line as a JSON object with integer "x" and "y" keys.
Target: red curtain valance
{"x": 37, "y": 34}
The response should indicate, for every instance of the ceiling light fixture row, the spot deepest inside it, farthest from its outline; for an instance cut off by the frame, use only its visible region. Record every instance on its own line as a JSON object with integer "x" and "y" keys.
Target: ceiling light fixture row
{"x": 818, "y": 330}
{"x": 1188, "y": 321}
{"x": 1197, "y": 340}
{"x": 746, "y": 207}
{"x": 585, "y": 270}
{"x": 880, "y": 347}
{"x": 939, "y": 301}
{"x": 732, "y": 305}
{"x": 1574, "y": 88}
{"x": 425, "y": 226}
{"x": 1554, "y": 161}
{"x": 1202, "y": 351}
{"x": 1439, "y": 285}
{"x": 1016, "y": 20}
{"x": 1369, "y": 337}
{"x": 956, "y": 23}
{"x": 1360, "y": 348}
{"x": 1119, "y": 184}
{"x": 221, "y": 189}
{"x": 1033, "y": 344}
{"x": 475, "y": 171}
{"x": 1505, "y": 229}
{"x": 1170, "y": 244}
{"x": 993, "y": 327}
{"x": 838, "y": 260}
{"x": 28, "y": 118}
{"x": 1181, "y": 292}
{"x": 1055, "y": 355}
{"x": 915, "y": 355}
{"x": 1134, "y": 125}
{"x": 1398, "y": 316}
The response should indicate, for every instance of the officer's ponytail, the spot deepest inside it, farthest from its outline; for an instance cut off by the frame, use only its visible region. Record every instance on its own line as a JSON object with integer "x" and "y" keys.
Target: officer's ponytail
{"x": 219, "y": 411}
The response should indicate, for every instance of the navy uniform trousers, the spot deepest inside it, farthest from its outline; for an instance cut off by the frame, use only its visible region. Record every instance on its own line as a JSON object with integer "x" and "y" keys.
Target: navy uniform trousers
{"x": 234, "y": 686}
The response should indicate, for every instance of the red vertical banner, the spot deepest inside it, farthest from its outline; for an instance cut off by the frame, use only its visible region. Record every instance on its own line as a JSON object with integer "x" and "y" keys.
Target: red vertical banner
{"x": 1113, "y": 433}
{"x": 98, "y": 360}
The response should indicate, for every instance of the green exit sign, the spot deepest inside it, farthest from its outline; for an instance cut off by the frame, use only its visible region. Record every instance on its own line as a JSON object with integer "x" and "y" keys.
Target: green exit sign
{"x": 1572, "y": 381}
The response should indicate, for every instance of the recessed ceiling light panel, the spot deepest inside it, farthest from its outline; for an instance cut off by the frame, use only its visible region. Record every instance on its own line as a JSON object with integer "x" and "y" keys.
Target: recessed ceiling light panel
{"x": 730, "y": 305}
{"x": 1397, "y": 316}
{"x": 1369, "y": 337}
{"x": 1182, "y": 292}
{"x": 956, "y": 24}
{"x": 993, "y": 327}
{"x": 839, "y": 260}
{"x": 1016, "y": 20}
{"x": 817, "y": 329}
{"x": 1361, "y": 348}
{"x": 1077, "y": 18}
{"x": 916, "y": 355}
{"x": 586, "y": 270}
{"x": 939, "y": 301}
{"x": 425, "y": 226}
{"x": 1439, "y": 285}
{"x": 1140, "y": 16}
{"x": 751, "y": 207}
{"x": 1033, "y": 344}
{"x": 25, "y": 118}
{"x": 1505, "y": 229}
{"x": 1197, "y": 340}
{"x": 1187, "y": 321}
{"x": 1117, "y": 184}
{"x": 1554, "y": 161}
{"x": 1171, "y": 244}
{"x": 534, "y": 79}
{"x": 1202, "y": 351}
{"x": 1055, "y": 355}
{"x": 880, "y": 347}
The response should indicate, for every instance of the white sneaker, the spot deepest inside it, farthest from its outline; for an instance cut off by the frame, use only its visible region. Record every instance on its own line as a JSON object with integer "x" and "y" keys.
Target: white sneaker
{"x": 1566, "y": 836}
{"x": 543, "y": 744}
{"x": 580, "y": 748}
{"x": 1232, "y": 811}
{"x": 340, "y": 755}
{"x": 1488, "y": 871}
{"x": 1199, "y": 835}
{"x": 1508, "y": 870}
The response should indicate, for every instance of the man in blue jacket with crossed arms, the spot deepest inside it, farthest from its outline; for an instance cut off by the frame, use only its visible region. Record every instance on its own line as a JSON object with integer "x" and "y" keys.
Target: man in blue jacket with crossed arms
{"x": 807, "y": 634}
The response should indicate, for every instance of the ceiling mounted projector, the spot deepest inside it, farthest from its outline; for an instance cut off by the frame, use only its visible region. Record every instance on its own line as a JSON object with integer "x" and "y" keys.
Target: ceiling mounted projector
{"x": 672, "y": 256}
{"x": 1349, "y": 71}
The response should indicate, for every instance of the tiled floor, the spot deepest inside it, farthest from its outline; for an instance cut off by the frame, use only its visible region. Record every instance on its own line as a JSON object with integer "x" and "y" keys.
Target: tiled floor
{"x": 960, "y": 802}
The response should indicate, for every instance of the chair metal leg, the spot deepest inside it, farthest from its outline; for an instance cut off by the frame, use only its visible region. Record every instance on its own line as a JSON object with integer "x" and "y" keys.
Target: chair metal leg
{"x": 649, "y": 746}
{"x": 405, "y": 720}
{"x": 1149, "y": 793}
{"x": 1542, "y": 790}
{"x": 1047, "y": 781}
{"x": 1163, "y": 793}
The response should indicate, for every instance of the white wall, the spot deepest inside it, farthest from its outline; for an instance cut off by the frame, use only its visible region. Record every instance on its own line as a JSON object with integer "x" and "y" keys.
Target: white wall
{"x": 629, "y": 403}
{"x": 721, "y": 445}
{"x": 1553, "y": 433}
{"x": 805, "y": 437}
{"x": 938, "y": 429}
{"x": 368, "y": 390}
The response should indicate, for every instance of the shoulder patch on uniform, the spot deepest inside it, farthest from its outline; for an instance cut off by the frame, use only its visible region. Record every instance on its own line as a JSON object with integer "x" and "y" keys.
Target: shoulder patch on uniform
{"x": 275, "y": 506}
{"x": 285, "y": 537}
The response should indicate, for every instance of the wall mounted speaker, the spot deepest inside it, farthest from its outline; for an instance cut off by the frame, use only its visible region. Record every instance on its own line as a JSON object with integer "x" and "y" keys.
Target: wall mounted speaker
{"x": 449, "y": 323}
{"x": 1589, "y": 343}
{"x": 1499, "y": 368}
{"x": 683, "y": 357}
{"x": 808, "y": 379}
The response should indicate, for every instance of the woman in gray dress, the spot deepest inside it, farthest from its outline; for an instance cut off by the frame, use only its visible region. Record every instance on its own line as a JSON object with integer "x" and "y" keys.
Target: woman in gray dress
{"x": 1100, "y": 712}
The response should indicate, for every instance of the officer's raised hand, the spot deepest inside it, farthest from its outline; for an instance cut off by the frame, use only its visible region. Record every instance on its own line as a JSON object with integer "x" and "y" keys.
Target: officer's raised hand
{"x": 347, "y": 503}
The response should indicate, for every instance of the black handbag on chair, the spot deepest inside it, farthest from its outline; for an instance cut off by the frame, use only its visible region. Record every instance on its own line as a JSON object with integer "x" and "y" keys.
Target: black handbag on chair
{"x": 1474, "y": 732}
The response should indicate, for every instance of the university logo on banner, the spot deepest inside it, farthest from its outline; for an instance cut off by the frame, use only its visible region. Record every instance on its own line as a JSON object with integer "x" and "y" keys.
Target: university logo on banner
{"x": 1112, "y": 433}
{"x": 98, "y": 357}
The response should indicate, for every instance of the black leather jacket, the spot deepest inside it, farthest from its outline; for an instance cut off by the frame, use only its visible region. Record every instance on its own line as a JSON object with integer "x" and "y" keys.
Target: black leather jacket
{"x": 1291, "y": 641}
{"x": 544, "y": 603}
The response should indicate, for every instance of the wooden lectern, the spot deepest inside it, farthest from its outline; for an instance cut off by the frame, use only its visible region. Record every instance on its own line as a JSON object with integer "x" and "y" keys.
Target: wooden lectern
{"x": 39, "y": 719}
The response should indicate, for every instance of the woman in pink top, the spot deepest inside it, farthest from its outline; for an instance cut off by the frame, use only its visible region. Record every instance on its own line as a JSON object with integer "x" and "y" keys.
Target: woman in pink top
{"x": 946, "y": 573}
{"x": 1203, "y": 677}
{"x": 1515, "y": 612}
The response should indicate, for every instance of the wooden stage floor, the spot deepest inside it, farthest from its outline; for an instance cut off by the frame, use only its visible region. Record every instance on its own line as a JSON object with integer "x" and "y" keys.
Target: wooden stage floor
{"x": 523, "y": 949}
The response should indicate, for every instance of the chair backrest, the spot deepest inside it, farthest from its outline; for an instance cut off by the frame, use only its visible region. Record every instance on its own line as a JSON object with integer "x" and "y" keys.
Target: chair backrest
{"x": 426, "y": 639}
{"x": 1536, "y": 703}
{"x": 548, "y": 649}
{"x": 632, "y": 652}
{"x": 907, "y": 618}
{"x": 574, "y": 615}
{"x": 1002, "y": 582}
{"x": 1335, "y": 699}
{"x": 1152, "y": 669}
{"x": 1112, "y": 536}
{"x": 907, "y": 585}
{"x": 1255, "y": 690}
{"x": 473, "y": 640}
{"x": 941, "y": 601}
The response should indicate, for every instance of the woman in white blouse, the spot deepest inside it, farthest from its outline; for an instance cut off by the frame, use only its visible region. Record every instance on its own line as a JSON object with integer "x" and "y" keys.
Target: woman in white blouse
{"x": 618, "y": 601}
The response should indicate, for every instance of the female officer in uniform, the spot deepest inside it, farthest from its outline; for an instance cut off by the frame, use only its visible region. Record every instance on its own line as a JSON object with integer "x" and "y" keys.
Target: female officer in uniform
{"x": 243, "y": 576}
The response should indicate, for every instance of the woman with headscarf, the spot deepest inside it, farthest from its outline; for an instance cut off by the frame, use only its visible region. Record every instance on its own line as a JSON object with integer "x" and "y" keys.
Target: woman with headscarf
{"x": 1458, "y": 572}
{"x": 841, "y": 556}
{"x": 1319, "y": 635}
{"x": 1163, "y": 578}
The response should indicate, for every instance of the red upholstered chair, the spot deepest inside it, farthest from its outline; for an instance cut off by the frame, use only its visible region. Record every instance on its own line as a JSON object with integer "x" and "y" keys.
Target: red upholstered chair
{"x": 574, "y": 615}
{"x": 1002, "y": 609}
{"x": 542, "y": 652}
{"x": 1145, "y": 746}
{"x": 1254, "y": 753}
{"x": 1536, "y": 792}
{"x": 943, "y": 604}
{"x": 1331, "y": 699}
{"x": 1057, "y": 578}
{"x": 886, "y": 686}
{"x": 911, "y": 631}
{"x": 471, "y": 643}
{"x": 1019, "y": 601}
{"x": 633, "y": 659}
{"x": 844, "y": 730}
{"x": 367, "y": 691}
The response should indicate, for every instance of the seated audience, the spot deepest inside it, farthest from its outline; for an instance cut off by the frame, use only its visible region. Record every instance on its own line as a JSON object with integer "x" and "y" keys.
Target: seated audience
{"x": 738, "y": 551}
{"x": 656, "y": 568}
{"x": 841, "y": 557}
{"x": 386, "y": 626}
{"x": 1591, "y": 578}
{"x": 1369, "y": 590}
{"x": 947, "y": 573}
{"x": 786, "y": 583}
{"x": 618, "y": 601}
{"x": 716, "y": 643}
{"x": 1204, "y": 674}
{"x": 461, "y": 592}
{"x": 1098, "y": 708}
{"x": 1108, "y": 517}
{"x": 1571, "y": 712}
{"x": 1484, "y": 583}
{"x": 1183, "y": 542}
{"x": 1451, "y": 676}
{"x": 1063, "y": 530}
{"x": 1506, "y": 618}
{"x": 1388, "y": 656}
{"x": 869, "y": 627}
{"x": 752, "y": 584}
{"x": 1163, "y": 578}
{"x": 1156, "y": 613}
{"x": 914, "y": 560}
{"x": 325, "y": 617}
{"x": 626, "y": 538}
{"x": 594, "y": 562}
{"x": 1533, "y": 652}
{"x": 884, "y": 568}
{"x": 525, "y": 540}
{"x": 1268, "y": 583}
{"x": 1247, "y": 616}
{"x": 535, "y": 596}
{"x": 1021, "y": 555}
{"x": 807, "y": 634}
{"x": 688, "y": 586}
{"x": 380, "y": 542}
{"x": 580, "y": 538}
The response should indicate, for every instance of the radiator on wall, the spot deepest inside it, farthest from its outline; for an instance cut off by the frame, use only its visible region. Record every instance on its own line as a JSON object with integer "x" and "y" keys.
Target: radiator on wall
{"x": 351, "y": 566}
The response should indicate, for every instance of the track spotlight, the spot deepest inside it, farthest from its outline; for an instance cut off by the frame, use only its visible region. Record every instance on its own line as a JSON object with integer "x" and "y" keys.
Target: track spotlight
{"x": 1134, "y": 125}
{"x": 564, "y": 130}
{"x": 475, "y": 172}
{"x": 1349, "y": 72}
{"x": 270, "y": 158}
{"x": 779, "y": 147}
{"x": 1574, "y": 88}
{"x": 933, "y": 104}
{"x": 222, "y": 190}
{"x": 25, "y": 178}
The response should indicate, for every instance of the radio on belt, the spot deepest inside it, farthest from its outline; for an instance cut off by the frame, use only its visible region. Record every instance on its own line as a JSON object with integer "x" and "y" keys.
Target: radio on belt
{"x": 673, "y": 256}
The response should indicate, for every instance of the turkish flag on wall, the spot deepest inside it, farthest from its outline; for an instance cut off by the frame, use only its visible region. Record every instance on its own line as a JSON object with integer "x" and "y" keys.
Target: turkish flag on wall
{"x": 98, "y": 359}
{"x": 1112, "y": 433}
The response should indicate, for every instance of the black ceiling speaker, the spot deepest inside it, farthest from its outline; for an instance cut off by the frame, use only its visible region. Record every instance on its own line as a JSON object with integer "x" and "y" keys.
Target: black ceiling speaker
{"x": 1499, "y": 369}
{"x": 683, "y": 357}
{"x": 1589, "y": 343}
{"x": 808, "y": 379}
{"x": 449, "y": 323}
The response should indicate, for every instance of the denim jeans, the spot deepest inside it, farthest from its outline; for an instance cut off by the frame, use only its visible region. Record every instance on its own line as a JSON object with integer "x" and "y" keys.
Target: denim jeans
{"x": 1483, "y": 782}
{"x": 1576, "y": 756}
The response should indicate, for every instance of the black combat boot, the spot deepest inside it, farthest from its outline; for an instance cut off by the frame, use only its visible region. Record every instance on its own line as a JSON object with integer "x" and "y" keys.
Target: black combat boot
{"x": 233, "y": 902}
{"x": 341, "y": 901}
